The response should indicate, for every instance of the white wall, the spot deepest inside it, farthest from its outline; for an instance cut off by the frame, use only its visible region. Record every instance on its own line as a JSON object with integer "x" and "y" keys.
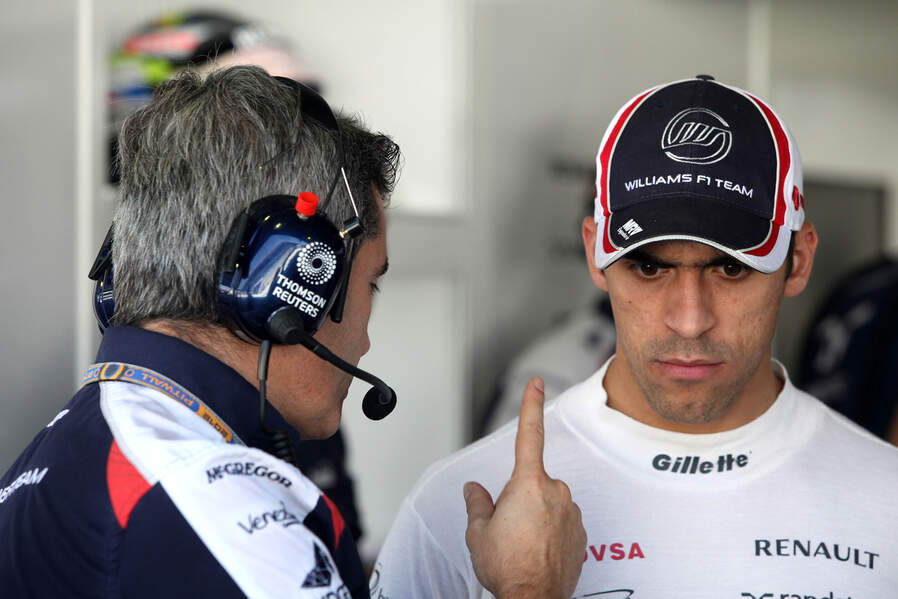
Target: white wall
{"x": 37, "y": 180}
{"x": 834, "y": 81}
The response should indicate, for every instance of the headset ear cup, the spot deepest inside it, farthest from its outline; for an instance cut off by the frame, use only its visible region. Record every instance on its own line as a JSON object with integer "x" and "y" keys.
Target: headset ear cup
{"x": 104, "y": 299}
{"x": 101, "y": 272}
{"x": 274, "y": 258}
{"x": 228, "y": 276}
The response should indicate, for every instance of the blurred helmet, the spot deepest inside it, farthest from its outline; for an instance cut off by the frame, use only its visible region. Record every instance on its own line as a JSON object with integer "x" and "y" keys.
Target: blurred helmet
{"x": 201, "y": 40}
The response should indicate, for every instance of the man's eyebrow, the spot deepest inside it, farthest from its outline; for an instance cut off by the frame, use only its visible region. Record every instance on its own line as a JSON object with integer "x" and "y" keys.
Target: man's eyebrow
{"x": 723, "y": 260}
{"x": 645, "y": 257}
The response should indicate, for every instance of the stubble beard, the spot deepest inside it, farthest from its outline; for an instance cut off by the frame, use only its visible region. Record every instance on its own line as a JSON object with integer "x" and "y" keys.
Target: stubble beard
{"x": 691, "y": 402}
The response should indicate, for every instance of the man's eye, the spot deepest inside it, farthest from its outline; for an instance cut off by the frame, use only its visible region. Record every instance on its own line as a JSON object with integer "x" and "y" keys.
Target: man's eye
{"x": 374, "y": 288}
{"x": 647, "y": 269}
{"x": 733, "y": 270}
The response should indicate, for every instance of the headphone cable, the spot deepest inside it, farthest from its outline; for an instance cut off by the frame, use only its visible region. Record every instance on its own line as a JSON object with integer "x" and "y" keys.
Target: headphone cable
{"x": 280, "y": 439}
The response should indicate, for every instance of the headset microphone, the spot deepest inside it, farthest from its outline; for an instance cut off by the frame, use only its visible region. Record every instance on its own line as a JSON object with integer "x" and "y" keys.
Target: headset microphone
{"x": 286, "y": 327}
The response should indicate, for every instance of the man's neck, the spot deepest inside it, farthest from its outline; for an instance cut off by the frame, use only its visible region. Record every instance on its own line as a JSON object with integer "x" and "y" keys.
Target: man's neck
{"x": 213, "y": 339}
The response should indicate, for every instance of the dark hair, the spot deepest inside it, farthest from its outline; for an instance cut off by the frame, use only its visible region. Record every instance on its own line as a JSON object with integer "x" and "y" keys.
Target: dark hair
{"x": 190, "y": 164}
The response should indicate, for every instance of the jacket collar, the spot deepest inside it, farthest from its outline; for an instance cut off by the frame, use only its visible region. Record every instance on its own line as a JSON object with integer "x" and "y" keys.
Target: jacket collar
{"x": 218, "y": 385}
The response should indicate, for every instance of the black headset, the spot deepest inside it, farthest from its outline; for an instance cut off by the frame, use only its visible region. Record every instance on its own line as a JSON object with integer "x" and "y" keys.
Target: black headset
{"x": 282, "y": 270}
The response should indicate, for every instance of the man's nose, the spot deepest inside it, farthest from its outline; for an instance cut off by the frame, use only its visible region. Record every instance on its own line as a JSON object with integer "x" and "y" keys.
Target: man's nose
{"x": 688, "y": 310}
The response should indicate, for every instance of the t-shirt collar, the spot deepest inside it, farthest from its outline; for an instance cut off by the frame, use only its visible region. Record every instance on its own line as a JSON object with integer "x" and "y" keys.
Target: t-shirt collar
{"x": 683, "y": 458}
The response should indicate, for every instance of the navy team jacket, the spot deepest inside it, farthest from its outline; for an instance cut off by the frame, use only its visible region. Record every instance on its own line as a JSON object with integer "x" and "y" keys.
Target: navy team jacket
{"x": 152, "y": 482}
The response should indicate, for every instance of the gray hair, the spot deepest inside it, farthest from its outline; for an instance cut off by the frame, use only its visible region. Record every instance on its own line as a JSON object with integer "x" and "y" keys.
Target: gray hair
{"x": 190, "y": 164}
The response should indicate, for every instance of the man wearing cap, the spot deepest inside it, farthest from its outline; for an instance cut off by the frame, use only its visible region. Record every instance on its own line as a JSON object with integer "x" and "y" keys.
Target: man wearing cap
{"x": 701, "y": 471}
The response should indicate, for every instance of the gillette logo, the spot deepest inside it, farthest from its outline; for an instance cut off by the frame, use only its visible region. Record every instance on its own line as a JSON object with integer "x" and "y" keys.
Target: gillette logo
{"x": 692, "y": 464}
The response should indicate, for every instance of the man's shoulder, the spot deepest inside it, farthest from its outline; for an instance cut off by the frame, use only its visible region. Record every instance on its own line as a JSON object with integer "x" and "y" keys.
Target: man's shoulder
{"x": 241, "y": 502}
{"x": 427, "y": 540}
{"x": 237, "y": 502}
{"x": 233, "y": 511}
{"x": 856, "y": 437}
{"x": 487, "y": 460}
{"x": 846, "y": 442}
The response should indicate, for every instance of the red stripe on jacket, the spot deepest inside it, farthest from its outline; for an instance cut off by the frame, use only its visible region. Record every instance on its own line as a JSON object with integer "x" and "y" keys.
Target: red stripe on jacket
{"x": 126, "y": 485}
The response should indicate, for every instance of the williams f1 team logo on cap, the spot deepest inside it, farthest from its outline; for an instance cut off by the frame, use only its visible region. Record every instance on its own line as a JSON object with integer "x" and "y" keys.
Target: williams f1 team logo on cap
{"x": 706, "y": 143}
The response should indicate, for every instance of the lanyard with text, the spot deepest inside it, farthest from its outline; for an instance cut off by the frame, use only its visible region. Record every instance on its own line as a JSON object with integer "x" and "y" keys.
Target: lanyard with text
{"x": 128, "y": 373}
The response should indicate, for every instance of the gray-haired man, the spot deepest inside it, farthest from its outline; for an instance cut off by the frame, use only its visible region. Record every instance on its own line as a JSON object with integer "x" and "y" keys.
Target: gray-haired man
{"x": 158, "y": 478}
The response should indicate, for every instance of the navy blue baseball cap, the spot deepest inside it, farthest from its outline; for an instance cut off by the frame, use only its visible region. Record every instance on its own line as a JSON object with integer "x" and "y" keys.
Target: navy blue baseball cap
{"x": 698, "y": 160}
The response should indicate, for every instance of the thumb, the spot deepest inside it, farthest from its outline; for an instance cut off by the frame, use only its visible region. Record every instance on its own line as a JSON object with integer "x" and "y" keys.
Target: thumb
{"x": 479, "y": 504}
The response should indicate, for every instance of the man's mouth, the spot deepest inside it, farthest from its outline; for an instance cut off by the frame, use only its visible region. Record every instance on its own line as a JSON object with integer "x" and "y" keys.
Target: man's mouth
{"x": 689, "y": 369}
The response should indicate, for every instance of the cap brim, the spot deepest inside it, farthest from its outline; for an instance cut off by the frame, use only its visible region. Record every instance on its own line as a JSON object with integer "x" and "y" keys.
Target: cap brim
{"x": 701, "y": 219}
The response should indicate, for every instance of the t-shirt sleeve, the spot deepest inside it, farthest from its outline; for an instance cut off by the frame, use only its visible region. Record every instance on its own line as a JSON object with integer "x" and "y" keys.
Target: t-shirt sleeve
{"x": 413, "y": 565}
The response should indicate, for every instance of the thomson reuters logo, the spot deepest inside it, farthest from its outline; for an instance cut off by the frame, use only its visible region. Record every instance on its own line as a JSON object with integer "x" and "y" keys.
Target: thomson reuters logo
{"x": 697, "y": 136}
{"x": 316, "y": 263}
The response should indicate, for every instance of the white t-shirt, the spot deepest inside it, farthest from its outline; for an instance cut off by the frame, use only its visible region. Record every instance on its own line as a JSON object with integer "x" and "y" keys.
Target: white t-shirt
{"x": 798, "y": 503}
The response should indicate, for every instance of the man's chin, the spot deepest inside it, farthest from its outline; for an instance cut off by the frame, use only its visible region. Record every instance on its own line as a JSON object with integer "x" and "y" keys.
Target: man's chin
{"x": 692, "y": 406}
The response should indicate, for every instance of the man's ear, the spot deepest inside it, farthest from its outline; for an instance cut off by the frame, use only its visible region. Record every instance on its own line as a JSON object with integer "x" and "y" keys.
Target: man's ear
{"x": 802, "y": 260}
{"x": 589, "y": 232}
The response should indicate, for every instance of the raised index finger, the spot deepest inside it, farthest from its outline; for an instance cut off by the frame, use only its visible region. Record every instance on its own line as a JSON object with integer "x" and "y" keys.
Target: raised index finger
{"x": 528, "y": 446}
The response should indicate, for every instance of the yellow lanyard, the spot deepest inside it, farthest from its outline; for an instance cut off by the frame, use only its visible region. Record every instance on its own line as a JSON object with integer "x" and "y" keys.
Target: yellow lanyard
{"x": 128, "y": 373}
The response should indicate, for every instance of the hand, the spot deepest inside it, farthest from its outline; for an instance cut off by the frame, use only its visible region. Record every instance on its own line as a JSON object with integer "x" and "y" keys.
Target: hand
{"x": 531, "y": 542}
